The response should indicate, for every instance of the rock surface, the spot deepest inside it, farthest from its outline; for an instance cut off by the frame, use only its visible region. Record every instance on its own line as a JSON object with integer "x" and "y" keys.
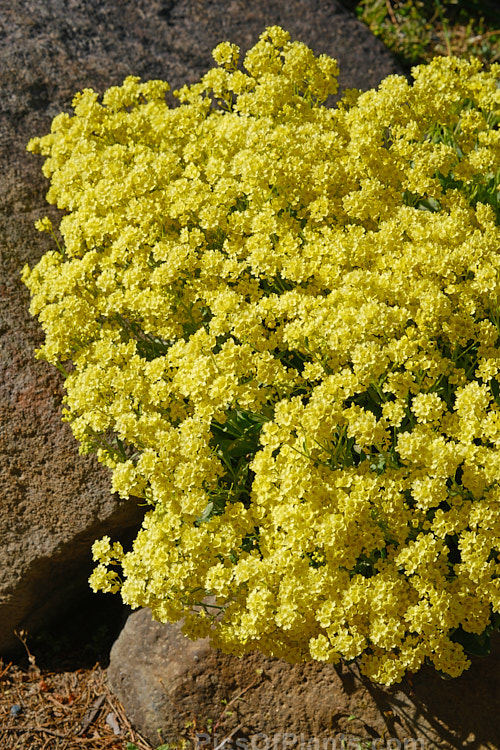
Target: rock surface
{"x": 54, "y": 503}
{"x": 167, "y": 682}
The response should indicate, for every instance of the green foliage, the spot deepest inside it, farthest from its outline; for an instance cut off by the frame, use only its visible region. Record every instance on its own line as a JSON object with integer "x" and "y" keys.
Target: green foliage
{"x": 417, "y": 30}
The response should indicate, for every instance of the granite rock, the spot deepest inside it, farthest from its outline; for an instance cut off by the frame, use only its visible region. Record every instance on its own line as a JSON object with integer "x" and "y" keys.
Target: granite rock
{"x": 172, "y": 688}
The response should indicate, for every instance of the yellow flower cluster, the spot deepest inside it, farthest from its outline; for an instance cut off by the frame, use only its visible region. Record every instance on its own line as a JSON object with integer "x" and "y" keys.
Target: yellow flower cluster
{"x": 283, "y": 322}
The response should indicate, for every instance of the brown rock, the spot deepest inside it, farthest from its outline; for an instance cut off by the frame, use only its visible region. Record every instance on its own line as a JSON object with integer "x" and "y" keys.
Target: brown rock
{"x": 54, "y": 503}
{"x": 167, "y": 682}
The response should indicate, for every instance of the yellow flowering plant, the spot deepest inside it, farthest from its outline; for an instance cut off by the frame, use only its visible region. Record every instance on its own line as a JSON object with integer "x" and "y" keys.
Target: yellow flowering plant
{"x": 279, "y": 326}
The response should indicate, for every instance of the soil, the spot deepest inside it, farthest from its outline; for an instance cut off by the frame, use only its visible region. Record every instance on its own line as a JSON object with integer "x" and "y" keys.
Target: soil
{"x": 63, "y": 710}
{"x": 54, "y": 693}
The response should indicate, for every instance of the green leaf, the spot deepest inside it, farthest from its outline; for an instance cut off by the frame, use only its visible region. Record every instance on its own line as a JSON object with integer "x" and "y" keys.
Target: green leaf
{"x": 474, "y": 644}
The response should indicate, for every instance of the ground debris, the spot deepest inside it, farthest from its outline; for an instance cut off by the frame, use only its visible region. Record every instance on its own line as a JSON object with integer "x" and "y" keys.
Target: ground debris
{"x": 50, "y": 710}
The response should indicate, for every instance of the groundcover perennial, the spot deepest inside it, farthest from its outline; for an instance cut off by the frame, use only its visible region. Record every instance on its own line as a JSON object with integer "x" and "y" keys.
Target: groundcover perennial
{"x": 279, "y": 326}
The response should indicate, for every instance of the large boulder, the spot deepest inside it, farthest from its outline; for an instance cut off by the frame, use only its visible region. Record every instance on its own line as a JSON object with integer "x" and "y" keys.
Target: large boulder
{"x": 54, "y": 503}
{"x": 175, "y": 688}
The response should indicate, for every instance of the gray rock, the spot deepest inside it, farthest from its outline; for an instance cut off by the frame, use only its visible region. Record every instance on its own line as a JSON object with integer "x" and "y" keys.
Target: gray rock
{"x": 172, "y": 687}
{"x": 54, "y": 503}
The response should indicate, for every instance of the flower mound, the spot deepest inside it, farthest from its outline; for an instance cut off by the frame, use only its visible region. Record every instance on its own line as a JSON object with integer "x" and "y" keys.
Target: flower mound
{"x": 283, "y": 322}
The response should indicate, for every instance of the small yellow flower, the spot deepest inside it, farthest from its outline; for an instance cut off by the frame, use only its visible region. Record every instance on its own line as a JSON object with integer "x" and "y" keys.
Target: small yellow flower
{"x": 226, "y": 55}
{"x": 428, "y": 407}
{"x": 282, "y": 321}
{"x": 44, "y": 225}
